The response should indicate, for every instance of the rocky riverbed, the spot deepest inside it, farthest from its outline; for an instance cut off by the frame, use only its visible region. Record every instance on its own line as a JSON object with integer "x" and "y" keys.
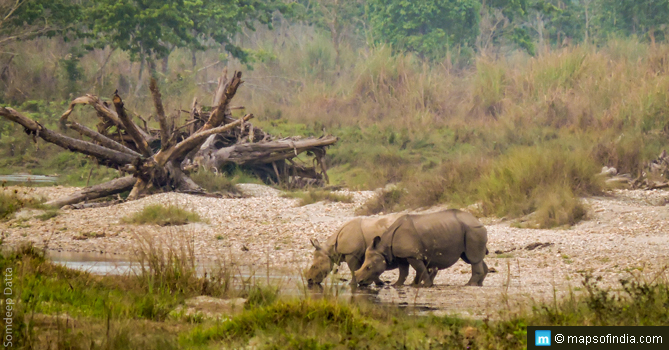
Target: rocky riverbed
{"x": 626, "y": 236}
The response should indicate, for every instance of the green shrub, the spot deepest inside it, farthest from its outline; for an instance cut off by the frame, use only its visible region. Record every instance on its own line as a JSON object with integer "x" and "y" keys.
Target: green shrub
{"x": 637, "y": 302}
{"x": 260, "y": 296}
{"x": 158, "y": 214}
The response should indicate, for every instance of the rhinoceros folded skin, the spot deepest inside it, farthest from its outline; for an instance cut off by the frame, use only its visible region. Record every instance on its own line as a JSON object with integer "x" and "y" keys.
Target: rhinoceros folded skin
{"x": 427, "y": 242}
{"x": 347, "y": 244}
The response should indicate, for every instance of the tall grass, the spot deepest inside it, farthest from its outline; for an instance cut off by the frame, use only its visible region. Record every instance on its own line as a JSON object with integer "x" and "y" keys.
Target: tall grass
{"x": 407, "y": 121}
{"x": 519, "y": 182}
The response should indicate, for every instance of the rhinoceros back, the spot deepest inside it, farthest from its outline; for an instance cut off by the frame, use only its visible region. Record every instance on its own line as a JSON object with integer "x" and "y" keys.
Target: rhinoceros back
{"x": 348, "y": 239}
{"x": 372, "y": 227}
{"x": 440, "y": 238}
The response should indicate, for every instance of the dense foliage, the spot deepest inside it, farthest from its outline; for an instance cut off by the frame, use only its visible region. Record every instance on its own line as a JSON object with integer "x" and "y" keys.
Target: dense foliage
{"x": 27, "y": 19}
{"x": 427, "y": 27}
{"x": 151, "y": 28}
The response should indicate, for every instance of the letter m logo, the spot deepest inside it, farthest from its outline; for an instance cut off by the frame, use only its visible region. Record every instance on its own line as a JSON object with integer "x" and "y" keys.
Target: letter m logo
{"x": 542, "y": 338}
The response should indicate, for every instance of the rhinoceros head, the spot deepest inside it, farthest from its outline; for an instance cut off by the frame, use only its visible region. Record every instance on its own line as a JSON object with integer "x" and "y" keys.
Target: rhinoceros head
{"x": 320, "y": 266}
{"x": 374, "y": 265}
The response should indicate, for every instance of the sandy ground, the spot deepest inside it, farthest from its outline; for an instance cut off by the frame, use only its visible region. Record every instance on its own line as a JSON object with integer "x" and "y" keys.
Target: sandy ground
{"x": 626, "y": 236}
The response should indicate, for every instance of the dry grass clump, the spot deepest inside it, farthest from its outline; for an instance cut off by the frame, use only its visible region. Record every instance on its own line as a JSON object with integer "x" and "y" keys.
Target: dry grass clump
{"x": 315, "y": 195}
{"x": 388, "y": 200}
{"x": 11, "y": 202}
{"x": 559, "y": 207}
{"x": 521, "y": 182}
{"x": 158, "y": 214}
{"x": 215, "y": 182}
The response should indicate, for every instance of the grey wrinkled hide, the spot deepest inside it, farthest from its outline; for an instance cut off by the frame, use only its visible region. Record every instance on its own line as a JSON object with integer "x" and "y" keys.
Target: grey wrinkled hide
{"x": 348, "y": 245}
{"x": 428, "y": 242}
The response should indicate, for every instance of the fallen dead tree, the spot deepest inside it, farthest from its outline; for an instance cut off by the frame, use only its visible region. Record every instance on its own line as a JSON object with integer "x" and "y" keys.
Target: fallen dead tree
{"x": 654, "y": 176}
{"x": 272, "y": 157}
{"x": 159, "y": 159}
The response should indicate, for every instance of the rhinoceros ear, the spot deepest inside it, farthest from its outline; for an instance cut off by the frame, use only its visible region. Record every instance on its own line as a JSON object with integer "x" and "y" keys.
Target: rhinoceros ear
{"x": 375, "y": 242}
{"x": 315, "y": 244}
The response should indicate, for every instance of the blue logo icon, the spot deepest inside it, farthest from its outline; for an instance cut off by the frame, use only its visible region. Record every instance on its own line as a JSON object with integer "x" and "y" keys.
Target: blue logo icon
{"x": 542, "y": 338}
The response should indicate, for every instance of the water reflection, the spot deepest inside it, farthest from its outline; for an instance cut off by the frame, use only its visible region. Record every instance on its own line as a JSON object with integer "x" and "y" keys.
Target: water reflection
{"x": 28, "y": 178}
{"x": 99, "y": 264}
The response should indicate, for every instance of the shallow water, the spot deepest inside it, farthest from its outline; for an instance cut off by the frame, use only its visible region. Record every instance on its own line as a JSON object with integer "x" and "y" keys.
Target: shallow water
{"x": 26, "y": 178}
{"x": 99, "y": 264}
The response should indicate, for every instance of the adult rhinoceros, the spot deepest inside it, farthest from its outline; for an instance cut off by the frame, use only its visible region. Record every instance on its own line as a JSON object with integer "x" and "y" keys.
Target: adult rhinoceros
{"x": 347, "y": 244}
{"x": 427, "y": 242}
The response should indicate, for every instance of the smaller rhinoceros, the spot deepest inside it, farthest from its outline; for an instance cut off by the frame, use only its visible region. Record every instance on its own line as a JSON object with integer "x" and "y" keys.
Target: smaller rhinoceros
{"x": 427, "y": 242}
{"x": 347, "y": 244}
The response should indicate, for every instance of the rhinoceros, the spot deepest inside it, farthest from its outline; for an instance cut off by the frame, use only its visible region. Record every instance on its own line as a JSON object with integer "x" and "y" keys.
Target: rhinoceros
{"x": 347, "y": 244}
{"x": 427, "y": 242}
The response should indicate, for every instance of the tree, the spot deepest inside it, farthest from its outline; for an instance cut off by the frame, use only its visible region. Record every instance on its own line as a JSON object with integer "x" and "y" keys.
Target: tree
{"x": 636, "y": 17}
{"x": 429, "y": 27}
{"x": 26, "y": 19}
{"x": 506, "y": 21}
{"x": 151, "y": 29}
{"x": 338, "y": 17}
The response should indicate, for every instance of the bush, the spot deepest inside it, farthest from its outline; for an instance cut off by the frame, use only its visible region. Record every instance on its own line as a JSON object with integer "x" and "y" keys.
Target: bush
{"x": 158, "y": 214}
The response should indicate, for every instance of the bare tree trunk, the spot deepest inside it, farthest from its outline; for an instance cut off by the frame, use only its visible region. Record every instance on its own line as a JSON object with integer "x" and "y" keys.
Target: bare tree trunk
{"x": 140, "y": 81}
{"x": 105, "y": 155}
{"x": 106, "y": 189}
{"x": 165, "y": 66}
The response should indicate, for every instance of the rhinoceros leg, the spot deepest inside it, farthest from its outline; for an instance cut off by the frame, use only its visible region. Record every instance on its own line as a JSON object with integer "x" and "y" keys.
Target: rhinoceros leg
{"x": 421, "y": 271}
{"x": 433, "y": 273}
{"x": 404, "y": 272}
{"x": 479, "y": 271}
{"x": 354, "y": 264}
{"x": 485, "y": 273}
{"x": 416, "y": 280}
